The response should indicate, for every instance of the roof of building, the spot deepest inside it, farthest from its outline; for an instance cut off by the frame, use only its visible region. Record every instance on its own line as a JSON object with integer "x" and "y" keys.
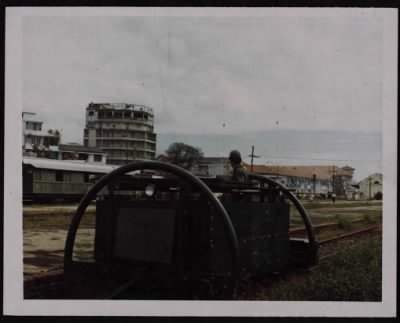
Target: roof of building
{"x": 375, "y": 175}
{"x": 119, "y": 106}
{"x": 31, "y": 116}
{"x": 321, "y": 172}
{"x": 79, "y": 148}
{"x": 75, "y": 165}
{"x": 214, "y": 159}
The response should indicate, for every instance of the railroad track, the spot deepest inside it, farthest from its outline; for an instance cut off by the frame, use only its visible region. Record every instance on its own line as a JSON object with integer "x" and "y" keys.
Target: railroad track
{"x": 329, "y": 246}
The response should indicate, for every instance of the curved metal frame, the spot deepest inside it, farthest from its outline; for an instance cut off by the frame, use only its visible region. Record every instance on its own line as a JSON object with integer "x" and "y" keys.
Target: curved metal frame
{"x": 313, "y": 244}
{"x": 153, "y": 165}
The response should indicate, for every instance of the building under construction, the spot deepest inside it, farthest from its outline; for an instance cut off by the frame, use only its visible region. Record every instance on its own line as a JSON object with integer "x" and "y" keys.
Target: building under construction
{"x": 124, "y": 131}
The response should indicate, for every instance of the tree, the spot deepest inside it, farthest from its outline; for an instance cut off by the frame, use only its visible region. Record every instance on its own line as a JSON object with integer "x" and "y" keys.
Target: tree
{"x": 183, "y": 155}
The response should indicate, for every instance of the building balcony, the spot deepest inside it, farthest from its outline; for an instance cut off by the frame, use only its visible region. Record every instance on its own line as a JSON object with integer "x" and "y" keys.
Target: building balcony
{"x": 121, "y": 120}
{"x": 128, "y": 148}
{"x": 123, "y": 139}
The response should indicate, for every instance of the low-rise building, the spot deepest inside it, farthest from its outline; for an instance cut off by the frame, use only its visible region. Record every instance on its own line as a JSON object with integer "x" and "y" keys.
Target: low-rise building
{"x": 34, "y": 137}
{"x": 212, "y": 166}
{"x": 76, "y": 152}
{"x": 371, "y": 187}
{"x": 322, "y": 180}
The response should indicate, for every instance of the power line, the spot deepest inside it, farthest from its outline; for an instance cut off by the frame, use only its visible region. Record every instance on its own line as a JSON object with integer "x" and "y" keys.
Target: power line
{"x": 327, "y": 159}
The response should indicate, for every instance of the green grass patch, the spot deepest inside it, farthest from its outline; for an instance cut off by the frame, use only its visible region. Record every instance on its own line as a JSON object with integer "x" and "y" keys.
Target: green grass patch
{"x": 354, "y": 274}
{"x": 344, "y": 223}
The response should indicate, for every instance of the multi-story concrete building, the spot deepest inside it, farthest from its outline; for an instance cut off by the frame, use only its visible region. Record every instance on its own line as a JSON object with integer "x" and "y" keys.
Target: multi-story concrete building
{"x": 124, "y": 131}
{"x": 34, "y": 137}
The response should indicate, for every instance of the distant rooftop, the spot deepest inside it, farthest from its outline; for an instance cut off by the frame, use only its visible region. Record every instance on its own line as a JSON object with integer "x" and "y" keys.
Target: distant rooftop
{"x": 120, "y": 106}
{"x": 30, "y": 116}
{"x": 75, "y": 165}
{"x": 321, "y": 172}
{"x": 214, "y": 159}
{"x": 79, "y": 148}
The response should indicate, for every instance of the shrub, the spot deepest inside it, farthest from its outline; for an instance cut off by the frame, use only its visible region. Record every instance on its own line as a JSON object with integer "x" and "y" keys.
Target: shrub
{"x": 344, "y": 222}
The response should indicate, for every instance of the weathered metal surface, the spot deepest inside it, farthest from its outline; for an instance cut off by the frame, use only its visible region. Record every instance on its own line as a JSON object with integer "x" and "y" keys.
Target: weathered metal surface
{"x": 127, "y": 230}
{"x": 262, "y": 230}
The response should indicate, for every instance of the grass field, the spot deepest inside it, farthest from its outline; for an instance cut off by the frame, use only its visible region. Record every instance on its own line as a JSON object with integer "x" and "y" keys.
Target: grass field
{"x": 353, "y": 274}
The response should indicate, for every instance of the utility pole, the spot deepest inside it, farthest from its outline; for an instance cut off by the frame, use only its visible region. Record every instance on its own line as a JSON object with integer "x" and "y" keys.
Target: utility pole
{"x": 314, "y": 178}
{"x": 252, "y": 156}
{"x": 333, "y": 171}
{"x": 369, "y": 188}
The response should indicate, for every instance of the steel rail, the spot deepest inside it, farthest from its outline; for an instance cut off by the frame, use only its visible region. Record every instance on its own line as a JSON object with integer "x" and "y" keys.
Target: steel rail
{"x": 316, "y": 227}
{"x": 347, "y": 235}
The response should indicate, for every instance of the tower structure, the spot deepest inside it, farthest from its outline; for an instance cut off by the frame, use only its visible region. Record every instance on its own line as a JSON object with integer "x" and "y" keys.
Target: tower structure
{"x": 124, "y": 131}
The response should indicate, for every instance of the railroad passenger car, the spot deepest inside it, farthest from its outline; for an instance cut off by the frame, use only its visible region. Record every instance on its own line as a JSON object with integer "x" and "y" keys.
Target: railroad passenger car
{"x": 47, "y": 180}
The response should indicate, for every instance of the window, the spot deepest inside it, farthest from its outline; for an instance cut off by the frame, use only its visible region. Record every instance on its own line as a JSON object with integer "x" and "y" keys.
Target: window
{"x": 89, "y": 178}
{"x": 82, "y": 156}
{"x": 67, "y": 177}
{"x": 97, "y": 158}
{"x": 91, "y": 113}
{"x": 59, "y": 176}
{"x": 37, "y": 175}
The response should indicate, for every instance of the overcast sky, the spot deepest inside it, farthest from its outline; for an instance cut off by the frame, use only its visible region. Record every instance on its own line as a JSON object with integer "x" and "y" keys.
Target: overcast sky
{"x": 215, "y": 75}
{"x": 207, "y": 74}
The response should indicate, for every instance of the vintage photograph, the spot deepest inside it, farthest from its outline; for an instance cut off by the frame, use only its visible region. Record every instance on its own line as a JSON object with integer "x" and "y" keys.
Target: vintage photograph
{"x": 200, "y": 155}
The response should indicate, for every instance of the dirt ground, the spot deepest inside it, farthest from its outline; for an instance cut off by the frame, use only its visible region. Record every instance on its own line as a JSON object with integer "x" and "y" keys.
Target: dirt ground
{"x": 44, "y": 234}
{"x": 46, "y": 227}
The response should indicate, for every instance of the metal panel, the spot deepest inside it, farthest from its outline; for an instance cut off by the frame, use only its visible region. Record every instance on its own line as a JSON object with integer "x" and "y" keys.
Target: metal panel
{"x": 262, "y": 230}
{"x": 145, "y": 234}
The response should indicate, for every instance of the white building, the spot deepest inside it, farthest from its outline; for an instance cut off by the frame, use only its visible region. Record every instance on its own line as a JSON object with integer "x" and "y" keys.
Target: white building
{"x": 124, "y": 131}
{"x": 34, "y": 136}
{"x": 212, "y": 166}
{"x": 76, "y": 152}
{"x": 371, "y": 186}
{"x": 309, "y": 179}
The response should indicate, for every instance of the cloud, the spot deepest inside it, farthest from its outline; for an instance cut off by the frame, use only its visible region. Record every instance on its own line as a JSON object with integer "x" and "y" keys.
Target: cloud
{"x": 199, "y": 73}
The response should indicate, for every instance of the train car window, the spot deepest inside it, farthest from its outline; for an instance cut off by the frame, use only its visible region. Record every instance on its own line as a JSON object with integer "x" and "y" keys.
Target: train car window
{"x": 86, "y": 177}
{"x": 97, "y": 158}
{"x": 37, "y": 175}
{"x": 76, "y": 177}
{"x": 59, "y": 176}
{"x": 67, "y": 177}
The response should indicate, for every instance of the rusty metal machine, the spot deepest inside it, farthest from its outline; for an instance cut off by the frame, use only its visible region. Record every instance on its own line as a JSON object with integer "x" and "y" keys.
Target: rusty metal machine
{"x": 177, "y": 232}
